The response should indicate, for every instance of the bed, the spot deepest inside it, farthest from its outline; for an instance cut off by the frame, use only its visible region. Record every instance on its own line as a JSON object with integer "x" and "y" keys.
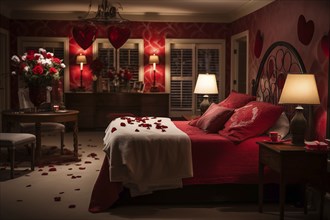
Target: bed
{"x": 224, "y": 152}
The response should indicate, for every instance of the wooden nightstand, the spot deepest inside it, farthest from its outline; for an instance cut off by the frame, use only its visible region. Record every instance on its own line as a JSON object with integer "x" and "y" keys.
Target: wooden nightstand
{"x": 293, "y": 163}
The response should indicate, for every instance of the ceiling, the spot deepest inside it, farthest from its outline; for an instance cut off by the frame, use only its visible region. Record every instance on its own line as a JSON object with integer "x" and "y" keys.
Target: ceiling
{"x": 135, "y": 10}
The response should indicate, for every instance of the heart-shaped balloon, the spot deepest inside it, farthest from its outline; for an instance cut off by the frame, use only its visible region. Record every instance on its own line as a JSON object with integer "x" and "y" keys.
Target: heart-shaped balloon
{"x": 305, "y": 30}
{"x": 325, "y": 44}
{"x": 84, "y": 35}
{"x": 118, "y": 36}
{"x": 258, "y": 44}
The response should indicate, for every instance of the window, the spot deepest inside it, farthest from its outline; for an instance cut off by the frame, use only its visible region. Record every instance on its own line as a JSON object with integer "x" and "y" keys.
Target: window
{"x": 129, "y": 56}
{"x": 58, "y": 46}
{"x": 187, "y": 58}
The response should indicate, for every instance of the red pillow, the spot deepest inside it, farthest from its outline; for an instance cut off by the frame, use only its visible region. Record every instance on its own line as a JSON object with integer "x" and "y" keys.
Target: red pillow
{"x": 251, "y": 120}
{"x": 214, "y": 118}
{"x": 237, "y": 100}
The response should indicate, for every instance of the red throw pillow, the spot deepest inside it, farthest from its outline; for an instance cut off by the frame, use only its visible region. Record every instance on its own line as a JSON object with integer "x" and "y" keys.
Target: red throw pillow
{"x": 237, "y": 100}
{"x": 214, "y": 118}
{"x": 251, "y": 120}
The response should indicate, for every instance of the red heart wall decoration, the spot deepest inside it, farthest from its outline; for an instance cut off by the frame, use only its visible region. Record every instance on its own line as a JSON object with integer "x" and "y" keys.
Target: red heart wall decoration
{"x": 118, "y": 36}
{"x": 258, "y": 44}
{"x": 325, "y": 44}
{"x": 84, "y": 35}
{"x": 305, "y": 30}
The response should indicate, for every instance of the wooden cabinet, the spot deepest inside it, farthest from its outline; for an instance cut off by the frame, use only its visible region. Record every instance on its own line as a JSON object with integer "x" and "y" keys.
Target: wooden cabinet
{"x": 94, "y": 107}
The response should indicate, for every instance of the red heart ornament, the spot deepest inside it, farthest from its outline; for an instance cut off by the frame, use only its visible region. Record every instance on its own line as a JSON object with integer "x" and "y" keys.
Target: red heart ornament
{"x": 84, "y": 35}
{"x": 325, "y": 44}
{"x": 258, "y": 44}
{"x": 305, "y": 30}
{"x": 118, "y": 36}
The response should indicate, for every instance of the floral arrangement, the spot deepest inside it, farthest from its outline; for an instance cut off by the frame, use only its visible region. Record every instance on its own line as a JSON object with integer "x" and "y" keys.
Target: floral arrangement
{"x": 40, "y": 67}
{"x": 123, "y": 76}
{"x": 96, "y": 66}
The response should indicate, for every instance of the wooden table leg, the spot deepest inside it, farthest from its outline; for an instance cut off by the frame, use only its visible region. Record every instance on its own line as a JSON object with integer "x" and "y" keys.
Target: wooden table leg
{"x": 38, "y": 141}
{"x": 261, "y": 186}
{"x": 75, "y": 139}
{"x": 282, "y": 195}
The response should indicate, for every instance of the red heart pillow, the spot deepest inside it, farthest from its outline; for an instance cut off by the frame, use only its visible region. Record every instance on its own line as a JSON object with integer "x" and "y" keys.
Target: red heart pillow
{"x": 118, "y": 36}
{"x": 84, "y": 35}
{"x": 305, "y": 30}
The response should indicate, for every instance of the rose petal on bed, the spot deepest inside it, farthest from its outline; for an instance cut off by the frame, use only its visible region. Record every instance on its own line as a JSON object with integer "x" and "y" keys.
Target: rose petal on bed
{"x": 122, "y": 124}
{"x": 44, "y": 174}
{"x": 78, "y": 164}
{"x": 40, "y": 170}
{"x": 52, "y": 169}
{"x": 78, "y": 176}
{"x": 70, "y": 174}
{"x": 82, "y": 168}
{"x": 163, "y": 130}
{"x": 159, "y": 120}
{"x": 28, "y": 185}
{"x": 77, "y": 189}
{"x": 96, "y": 158}
{"x": 72, "y": 206}
{"x": 73, "y": 177}
{"x": 50, "y": 165}
{"x": 137, "y": 130}
{"x": 70, "y": 168}
{"x": 113, "y": 129}
{"x": 57, "y": 198}
{"x": 92, "y": 155}
{"x": 87, "y": 161}
{"x": 61, "y": 192}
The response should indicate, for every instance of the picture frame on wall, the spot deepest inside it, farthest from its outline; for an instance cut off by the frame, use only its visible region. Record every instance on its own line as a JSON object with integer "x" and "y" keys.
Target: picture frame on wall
{"x": 138, "y": 86}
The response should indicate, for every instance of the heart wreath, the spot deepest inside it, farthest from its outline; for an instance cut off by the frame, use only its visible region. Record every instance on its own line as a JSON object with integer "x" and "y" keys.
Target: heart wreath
{"x": 84, "y": 35}
{"x": 118, "y": 36}
{"x": 305, "y": 30}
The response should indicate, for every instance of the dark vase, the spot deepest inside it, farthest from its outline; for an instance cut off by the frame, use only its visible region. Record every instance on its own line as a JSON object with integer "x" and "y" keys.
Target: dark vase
{"x": 37, "y": 94}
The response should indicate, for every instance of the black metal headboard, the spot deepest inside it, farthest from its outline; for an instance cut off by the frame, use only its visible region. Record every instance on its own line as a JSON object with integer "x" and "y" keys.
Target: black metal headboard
{"x": 280, "y": 59}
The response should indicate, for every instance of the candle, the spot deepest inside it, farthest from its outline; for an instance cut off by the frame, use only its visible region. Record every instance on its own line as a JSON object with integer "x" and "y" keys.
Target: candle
{"x": 56, "y": 108}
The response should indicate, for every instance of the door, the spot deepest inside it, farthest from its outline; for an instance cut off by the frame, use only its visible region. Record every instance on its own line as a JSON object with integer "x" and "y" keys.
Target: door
{"x": 239, "y": 61}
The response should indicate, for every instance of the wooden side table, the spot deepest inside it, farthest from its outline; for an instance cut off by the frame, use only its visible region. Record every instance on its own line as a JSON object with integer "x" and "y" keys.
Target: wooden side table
{"x": 293, "y": 163}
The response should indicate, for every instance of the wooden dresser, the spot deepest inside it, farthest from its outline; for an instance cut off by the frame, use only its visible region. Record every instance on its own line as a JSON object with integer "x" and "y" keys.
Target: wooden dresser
{"x": 94, "y": 107}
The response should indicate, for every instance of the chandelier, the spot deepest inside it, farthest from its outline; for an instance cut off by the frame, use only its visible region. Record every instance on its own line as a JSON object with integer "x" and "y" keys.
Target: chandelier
{"x": 106, "y": 13}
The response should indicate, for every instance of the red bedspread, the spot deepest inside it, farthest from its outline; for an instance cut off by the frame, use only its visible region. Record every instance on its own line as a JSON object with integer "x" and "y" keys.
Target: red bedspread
{"x": 216, "y": 160}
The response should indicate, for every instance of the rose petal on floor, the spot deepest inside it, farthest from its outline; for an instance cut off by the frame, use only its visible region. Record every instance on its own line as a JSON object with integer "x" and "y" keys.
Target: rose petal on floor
{"x": 52, "y": 169}
{"x": 72, "y": 206}
{"x": 82, "y": 168}
{"x": 44, "y": 174}
{"x": 57, "y": 198}
{"x": 28, "y": 185}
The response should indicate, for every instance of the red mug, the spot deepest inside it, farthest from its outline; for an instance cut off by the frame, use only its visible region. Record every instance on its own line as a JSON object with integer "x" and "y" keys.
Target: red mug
{"x": 274, "y": 136}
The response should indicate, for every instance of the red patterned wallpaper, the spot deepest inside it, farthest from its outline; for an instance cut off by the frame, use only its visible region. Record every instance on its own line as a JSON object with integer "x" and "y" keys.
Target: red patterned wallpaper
{"x": 278, "y": 22}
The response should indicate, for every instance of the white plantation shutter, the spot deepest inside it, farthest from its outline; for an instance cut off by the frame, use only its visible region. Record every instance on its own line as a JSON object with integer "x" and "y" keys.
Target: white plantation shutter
{"x": 128, "y": 56}
{"x": 182, "y": 77}
{"x": 187, "y": 60}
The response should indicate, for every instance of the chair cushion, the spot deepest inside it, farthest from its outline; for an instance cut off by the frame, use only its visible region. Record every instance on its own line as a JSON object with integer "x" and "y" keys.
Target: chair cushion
{"x": 13, "y": 139}
{"x": 45, "y": 127}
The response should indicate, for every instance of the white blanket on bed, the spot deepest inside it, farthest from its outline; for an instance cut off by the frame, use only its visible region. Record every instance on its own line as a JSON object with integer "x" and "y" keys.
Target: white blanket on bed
{"x": 147, "y": 154}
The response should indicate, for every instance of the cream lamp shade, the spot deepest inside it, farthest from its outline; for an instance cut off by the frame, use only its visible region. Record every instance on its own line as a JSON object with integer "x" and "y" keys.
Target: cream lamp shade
{"x": 300, "y": 89}
{"x": 81, "y": 59}
{"x": 206, "y": 84}
{"x": 154, "y": 59}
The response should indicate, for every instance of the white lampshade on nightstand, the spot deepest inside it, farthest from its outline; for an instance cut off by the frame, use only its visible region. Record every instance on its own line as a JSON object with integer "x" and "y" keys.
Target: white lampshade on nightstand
{"x": 299, "y": 89}
{"x": 206, "y": 84}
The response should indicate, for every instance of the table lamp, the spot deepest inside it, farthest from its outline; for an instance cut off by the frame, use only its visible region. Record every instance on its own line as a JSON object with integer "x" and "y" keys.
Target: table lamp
{"x": 81, "y": 59}
{"x": 154, "y": 59}
{"x": 299, "y": 89}
{"x": 206, "y": 84}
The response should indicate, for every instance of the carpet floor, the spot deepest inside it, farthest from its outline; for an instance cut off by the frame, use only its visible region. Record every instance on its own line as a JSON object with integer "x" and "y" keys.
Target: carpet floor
{"x": 62, "y": 190}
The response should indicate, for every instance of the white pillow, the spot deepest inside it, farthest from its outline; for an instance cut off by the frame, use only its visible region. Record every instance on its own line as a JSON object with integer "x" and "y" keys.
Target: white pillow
{"x": 282, "y": 126}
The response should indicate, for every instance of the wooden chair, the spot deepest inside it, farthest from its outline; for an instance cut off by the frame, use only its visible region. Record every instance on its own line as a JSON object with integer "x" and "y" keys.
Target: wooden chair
{"x": 25, "y": 103}
{"x": 13, "y": 140}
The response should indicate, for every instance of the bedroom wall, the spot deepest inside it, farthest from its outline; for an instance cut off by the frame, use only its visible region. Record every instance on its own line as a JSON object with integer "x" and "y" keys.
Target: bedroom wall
{"x": 153, "y": 34}
{"x": 278, "y": 22}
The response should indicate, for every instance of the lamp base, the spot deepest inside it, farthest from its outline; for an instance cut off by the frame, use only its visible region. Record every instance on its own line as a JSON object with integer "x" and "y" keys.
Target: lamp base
{"x": 298, "y": 126}
{"x": 154, "y": 89}
{"x": 205, "y": 104}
